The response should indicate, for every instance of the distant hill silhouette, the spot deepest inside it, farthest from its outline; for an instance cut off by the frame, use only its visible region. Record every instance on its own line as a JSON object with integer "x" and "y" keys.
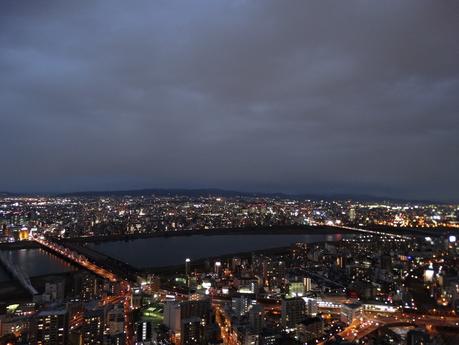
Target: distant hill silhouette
{"x": 205, "y": 192}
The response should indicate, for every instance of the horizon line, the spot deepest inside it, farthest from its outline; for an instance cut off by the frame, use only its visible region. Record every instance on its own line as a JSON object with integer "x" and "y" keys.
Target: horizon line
{"x": 215, "y": 190}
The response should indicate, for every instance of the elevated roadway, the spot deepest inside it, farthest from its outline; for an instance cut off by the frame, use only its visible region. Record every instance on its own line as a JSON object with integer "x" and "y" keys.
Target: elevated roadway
{"x": 79, "y": 259}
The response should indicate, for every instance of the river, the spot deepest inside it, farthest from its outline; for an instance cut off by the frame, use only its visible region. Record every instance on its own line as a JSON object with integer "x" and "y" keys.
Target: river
{"x": 35, "y": 262}
{"x": 169, "y": 251}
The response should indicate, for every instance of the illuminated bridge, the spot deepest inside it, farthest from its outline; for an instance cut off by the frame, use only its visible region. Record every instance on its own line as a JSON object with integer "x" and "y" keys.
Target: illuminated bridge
{"x": 81, "y": 260}
{"x": 372, "y": 232}
{"x": 17, "y": 273}
{"x": 76, "y": 258}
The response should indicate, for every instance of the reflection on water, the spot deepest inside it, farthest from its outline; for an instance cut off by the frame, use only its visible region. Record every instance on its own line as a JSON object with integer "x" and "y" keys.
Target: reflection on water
{"x": 167, "y": 251}
{"x": 36, "y": 262}
{"x": 3, "y": 275}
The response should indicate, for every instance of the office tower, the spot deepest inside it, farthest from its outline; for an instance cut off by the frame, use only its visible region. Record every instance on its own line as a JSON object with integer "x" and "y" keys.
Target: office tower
{"x": 144, "y": 331}
{"x": 93, "y": 327}
{"x": 274, "y": 273}
{"x": 87, "y": 286}
{"x": 310, "y": 329}
{"x": 192, "y": 332}
{"x": 292, "y": 312}
{"x": 241, "y": 305}
{"x": 195, "y": 320}
{"x": 172, "y": 316}
{"x": 256, "y": 318}
{"x": 199, "y": 308}
{"x": 50, "y": 327}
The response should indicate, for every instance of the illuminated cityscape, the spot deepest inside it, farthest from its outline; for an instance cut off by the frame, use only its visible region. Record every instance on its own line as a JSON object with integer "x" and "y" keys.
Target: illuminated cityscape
{"x": 71, "y": 217}
{"x": 229, "y": 172}
{"x": 351, "y": 272}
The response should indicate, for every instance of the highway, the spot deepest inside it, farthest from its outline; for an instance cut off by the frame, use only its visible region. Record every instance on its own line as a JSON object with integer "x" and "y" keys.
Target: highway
{"x": 370, "y": 323}
{"x": 76, "y": 258}
{"x": 371, "y": 232}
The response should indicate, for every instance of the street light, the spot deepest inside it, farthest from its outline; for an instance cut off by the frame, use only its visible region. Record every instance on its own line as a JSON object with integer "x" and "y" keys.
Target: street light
{"x": 187, "y": 266}
{"x": 217, "y": 267}
{"x": 187, "y": 273}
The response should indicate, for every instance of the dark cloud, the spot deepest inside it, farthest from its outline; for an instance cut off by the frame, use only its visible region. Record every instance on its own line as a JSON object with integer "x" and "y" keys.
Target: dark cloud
{"x": 329, "y": 96}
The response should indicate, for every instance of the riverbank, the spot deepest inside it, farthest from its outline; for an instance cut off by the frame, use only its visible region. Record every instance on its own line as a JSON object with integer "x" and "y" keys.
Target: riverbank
{"x": 262, "y": 230}
{"x": 19, "y": 245}
{"x": 201, "y": 263}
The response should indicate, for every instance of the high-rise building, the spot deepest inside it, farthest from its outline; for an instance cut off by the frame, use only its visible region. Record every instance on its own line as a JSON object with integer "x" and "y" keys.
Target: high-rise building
{"x": 195, "y": 321}
{"x": 93, "y": 327}
{"x": 246, "y": 337}
{"x": 200, "y": 308}
{"x": 87, "y": 286}
{"x": 54, "y": 291}
{"x": 296, "y": 288}
{"x": 256, "y": 318}
{"x": 274, "y": 273}
{"x": 193, "y": 332}
{"x": 248, "y": 286}
{"x": 144, "y": 332}
{"x": 417, "y": 337}
{"x": 310, "y": 329}
{"x": 217, "y": 267}
{"x": 307, "y": 284}
{"x": 115, "y": 320}
{"x": 292, "y": 311}
{"x": 312, "y": 307}
{"x": 172, "y": 316}
{"x": 352, "y": 214}
{"x": 50, "y": 327}
{"x": 241, "y": 305}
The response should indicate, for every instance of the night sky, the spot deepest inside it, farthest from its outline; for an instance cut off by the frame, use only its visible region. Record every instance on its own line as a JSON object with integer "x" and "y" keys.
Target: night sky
{"x": 356, "y": 97}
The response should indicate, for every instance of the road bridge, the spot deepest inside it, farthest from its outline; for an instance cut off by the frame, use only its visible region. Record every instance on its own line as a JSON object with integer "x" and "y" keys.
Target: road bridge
{"x": 79, "y": 259}
{"x": 76, "y": 258}
{"x": 373, "y": 232}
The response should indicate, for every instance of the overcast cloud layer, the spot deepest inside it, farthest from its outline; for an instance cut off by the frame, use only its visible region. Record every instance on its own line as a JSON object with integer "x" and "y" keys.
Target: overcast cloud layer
{"x": 294, "y": 96}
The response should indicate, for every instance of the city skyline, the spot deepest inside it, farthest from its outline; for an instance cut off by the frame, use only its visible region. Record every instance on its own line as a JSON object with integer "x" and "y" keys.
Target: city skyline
{"x": 218, "y": 192}
{"x": 329, "y": 98}
{"x": 245, "y": 172}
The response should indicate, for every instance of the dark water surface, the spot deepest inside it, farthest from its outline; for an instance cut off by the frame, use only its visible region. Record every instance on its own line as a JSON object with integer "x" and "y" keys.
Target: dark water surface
{"x": 35, "y": 262}
{"x": 168, "y": 251}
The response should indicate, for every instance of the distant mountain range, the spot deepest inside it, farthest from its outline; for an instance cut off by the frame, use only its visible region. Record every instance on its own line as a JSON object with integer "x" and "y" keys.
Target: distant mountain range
{"x": 224, "y": 193}
{"x": 7, "y": 194}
